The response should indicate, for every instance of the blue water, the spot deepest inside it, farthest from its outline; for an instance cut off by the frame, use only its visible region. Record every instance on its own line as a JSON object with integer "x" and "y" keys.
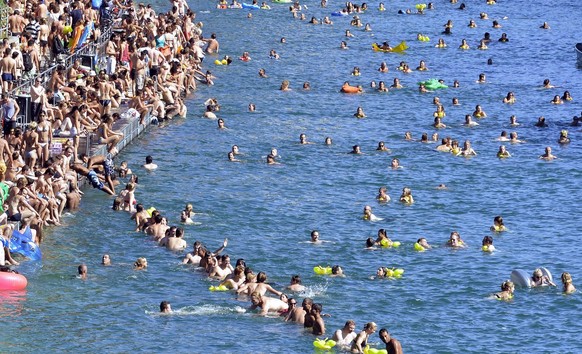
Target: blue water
{"x": 441, "y": 304}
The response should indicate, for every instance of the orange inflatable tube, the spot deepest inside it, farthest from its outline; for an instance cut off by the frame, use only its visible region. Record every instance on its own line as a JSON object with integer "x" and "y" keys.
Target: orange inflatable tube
{"x": 346, "y": 88}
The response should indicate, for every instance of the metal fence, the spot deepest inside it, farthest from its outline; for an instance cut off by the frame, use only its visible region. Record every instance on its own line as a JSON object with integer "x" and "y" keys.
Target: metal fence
{"x": 4, "y": 13}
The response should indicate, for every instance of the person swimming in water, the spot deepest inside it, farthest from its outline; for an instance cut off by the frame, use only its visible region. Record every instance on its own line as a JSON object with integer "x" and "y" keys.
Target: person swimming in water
{"x": 498, "y": 225}
{"x": 361, "y": 340}
{"x": 165, "y": 307}
{"x": 455, "y": 240}
{"x": 506, "y": 293}
{"x": 547, "y": 155}
{"x": 487, "y": 244}
{"x": 567, "y": 281}
{"x": 406, "y": 196}
{"x": 383, "y": 196}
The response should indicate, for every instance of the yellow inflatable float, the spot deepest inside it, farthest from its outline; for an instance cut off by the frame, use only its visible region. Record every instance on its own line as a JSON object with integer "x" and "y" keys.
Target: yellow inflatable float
{"x": 322, "y": 270}
{"x": 324, "y": 344}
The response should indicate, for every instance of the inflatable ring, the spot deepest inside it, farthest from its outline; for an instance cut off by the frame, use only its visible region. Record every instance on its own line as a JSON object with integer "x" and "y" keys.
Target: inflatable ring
{"x": 368, "y": 350}
{"x": 218, "y": 62}
{"x": 346, "y": 88}
{"x": 486, "y": 249}
{"x": 324, "y": 344}
{"x": 387, "y": 244}
{"x": 218, "y": 288}
{"x": 322, "y": 270}
{"x": 12, "y": 281}
{"x": 418, "y": 247}
{"x": 420, "y": 6}
{"x": 150, "y": 211}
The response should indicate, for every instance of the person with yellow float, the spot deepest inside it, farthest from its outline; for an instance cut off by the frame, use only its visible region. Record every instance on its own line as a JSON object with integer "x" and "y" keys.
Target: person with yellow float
{"x": 498, "y": 225}
{"x": 382, "y": 196}
{"x": 393, "y": 345}
{"x": 506, "y": 293}
{"x": 361, "y": 340}
{"x": 455, "y": 240}
{"x": 421, "y": 245}
{"x": 385, "y": 272}
{"x": 479, "y": 113}
{"x": 487, "y": 244}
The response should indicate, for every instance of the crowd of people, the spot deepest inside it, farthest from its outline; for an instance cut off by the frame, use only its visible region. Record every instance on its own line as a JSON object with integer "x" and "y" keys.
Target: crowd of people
{"x": 153, "y": 62}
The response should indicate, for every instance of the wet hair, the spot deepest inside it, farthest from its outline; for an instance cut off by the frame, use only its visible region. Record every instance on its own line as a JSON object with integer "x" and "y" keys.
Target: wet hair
{"x": 82, "y": 269}
{"x": 261, "y": 277}
{"x": 369, "y": 242}
{"x": 317, "y": 308}
{"x": 487, "y": 240}
{"x": 296, "y": 279}
{"x": 506, "y": 285}
{"x": 566, "y": 278}
{"x": 164, "y": 306}
{"x": 335, "y": 269}
{"x": 149, "y": 159}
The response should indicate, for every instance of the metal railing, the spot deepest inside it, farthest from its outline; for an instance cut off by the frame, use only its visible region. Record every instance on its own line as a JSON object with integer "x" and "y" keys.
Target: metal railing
{"x": 4, "y": 13}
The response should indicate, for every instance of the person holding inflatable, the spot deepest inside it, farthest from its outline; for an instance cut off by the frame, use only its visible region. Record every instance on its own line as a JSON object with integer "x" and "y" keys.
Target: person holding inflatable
{"x": 393, "y": 345}
{"x": 361, "y": 339}
{"x": 539, "y": 279}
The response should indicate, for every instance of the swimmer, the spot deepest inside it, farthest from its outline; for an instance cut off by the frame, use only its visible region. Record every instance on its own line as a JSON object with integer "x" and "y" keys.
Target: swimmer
{"x": 385, "y": 46}
{"x": 337, "y": 271}
{"x": 349, "y": 34}
{"x": 381, "y": 7}
{"x": 209, "y": 112}
{"x": 438, "y": 123}
{"x": 150, "y": 165}
{"x": 221, "y": 124}
{"x": 548, "y": 154}
{"x": 442, "y": 186}
{"x": 567, "y": 281}
{"x": 482, "y": 45}
{"x": 285, "y": 86}
{"x": 547, "y": 84}
{"x": 346, "y": 335}
{"x": 456, "y": 84}
{"x": 235, "y": 150}
{"x": 295, "y": 284}
{"x": 513, "y": 121}
{"x": 541, "y": 123}
{"x": 283, "y": 40}
{"x": 106, "y": 260}
{"x": 507, "y": 289}
{"x": 496, "y": 24}
{"x": 469, "y": 121}
{"x": 510, "y": 98}
{"x": 455, "y": 240}
{"x": 262, "y": 73}
{"x": 382, "y": 87}
{"x": 356, "y": 150}
{"x": 422, "y": 89}
{"x": 440, "y": 111}
{"x": 368, "y": 216}
{"x": 567, "y": 96}
{"x": 356, "y": 71}
{"x": 483, "y": 16}
{"x": 575, "y": 122}
{"x": 82, "y": 271}
{"x": 445, "y": 145}
{"x": 557, "y": 100}
{"x": 487, "y": 244}
{"x": 303, "y": 139}
{"x": 383, "y": 67}
{"x": 503, "y": 38}
{"x": 361, "y": 339}
{"x": 396, "y": 84}
{"x": 267, "y": 304}
{"x": 343, "y": 45}
{"x": 464, "y": 45}
{"x": 423, "y": 243}
{"x": 539, "y": 279}
{"x": 187, "y": 214}
{"x": 502, "y": 153}
{"x": 232, "y": 158}
{"x": 382, "y": 147}
{"x": 315, "y": 237}
{"x": 383, "y": 196}
{"x": 422, "y": 66}
{"x": 395, "y": 164}
{"x": 545, "y": 25}
{"x": 393, "y": 345}
{"x": 271, "y": 160}
{"x": 306, "y": 86}
{"x": 435, "y": 137}
{"x": 140, "y": 264}
{"x": 252, "y": 107}
{"x": 479, "y": 113}
{"x": 318, "y": 323}
{"x": 424, "y": 138}
{"x": 467, "y": 150}
{"x": 481, "y": 79}
{"x": 165, "y": 307}
{"x": 406, "y": 196}
{"x": 441, "y": 43}
{"x": 472, "y": 24}
{"x": 367, "y": 28}
{"x": 408, "y": 136}
{"x": 513, "y": 138}
{"x": 328, "y": 141}
{"x": 564, "y": 139}
{"x": 360, "y": 113}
